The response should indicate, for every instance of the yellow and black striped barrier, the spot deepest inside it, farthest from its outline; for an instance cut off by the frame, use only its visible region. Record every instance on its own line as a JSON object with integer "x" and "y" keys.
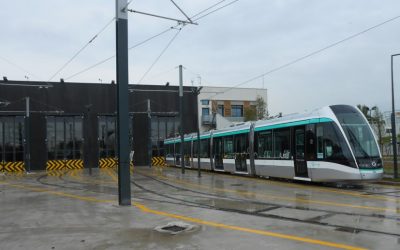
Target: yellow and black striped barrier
{"x": 108, "y": 162}
{"x": 16, "y": 166}
{"x": 55, "y": 165}
{"x": 158, "y": 161}
{"x": 64, "y": 164}
{"x": 74, "y": 164}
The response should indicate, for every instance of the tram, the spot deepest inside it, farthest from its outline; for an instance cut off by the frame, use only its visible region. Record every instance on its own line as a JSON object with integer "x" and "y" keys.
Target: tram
{"x": 330, "y": 144}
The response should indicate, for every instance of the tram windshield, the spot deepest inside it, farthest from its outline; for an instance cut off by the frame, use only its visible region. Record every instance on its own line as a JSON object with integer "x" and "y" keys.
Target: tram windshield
{"x": 357, "y": 131}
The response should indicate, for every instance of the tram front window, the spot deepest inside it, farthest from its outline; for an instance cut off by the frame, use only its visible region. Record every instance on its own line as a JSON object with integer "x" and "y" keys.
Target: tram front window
{"x": 357, "y": 131}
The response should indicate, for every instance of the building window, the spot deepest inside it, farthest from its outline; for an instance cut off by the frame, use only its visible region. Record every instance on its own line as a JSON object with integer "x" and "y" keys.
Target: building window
{"x": 237, "y": 110}
{"x": 65, "y": 137}
{"x": 205, "y": 102}
{"x": 205, "y": 111}
{"x": 221, "y": 110}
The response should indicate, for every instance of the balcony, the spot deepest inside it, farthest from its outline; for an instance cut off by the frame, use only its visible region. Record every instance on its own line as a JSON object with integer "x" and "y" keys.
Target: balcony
{"x": 234, "y": 119}
{"x": 207, "y": 120}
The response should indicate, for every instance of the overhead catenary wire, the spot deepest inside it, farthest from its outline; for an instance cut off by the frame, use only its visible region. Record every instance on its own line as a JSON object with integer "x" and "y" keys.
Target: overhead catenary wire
{"x": 211, "y": 12}
{"x": 86, "y": 45}
{"x": 150, "y": 38}
{"x": 209, "y": 8}
{"x": 19, "y": 67}
{"x": 162, "y": 73}
{"x": 159, "y": 56}
{"x": 315, "y": 52}
{"x": 80, "y": 50}
{"x": 111, "y": 57}
{"x": 179, "y": 8}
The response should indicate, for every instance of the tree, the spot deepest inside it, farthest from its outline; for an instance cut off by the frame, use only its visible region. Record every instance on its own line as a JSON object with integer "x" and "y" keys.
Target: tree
{"x": 261, "y": 108}
{"x": 378, "y": 123}
{"x": 250, "y": 113}
{"x": 364, "y": 109}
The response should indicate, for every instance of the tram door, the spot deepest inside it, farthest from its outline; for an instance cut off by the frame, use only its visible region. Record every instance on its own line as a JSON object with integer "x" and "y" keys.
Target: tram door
{"x": 12, "y": 140}
{"x": 218, "y": 153}
{"x": 300, "y": 164}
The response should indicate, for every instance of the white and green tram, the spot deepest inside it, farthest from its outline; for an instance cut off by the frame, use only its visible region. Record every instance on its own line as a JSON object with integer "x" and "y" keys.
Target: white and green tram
{"x": 331, "y": 144}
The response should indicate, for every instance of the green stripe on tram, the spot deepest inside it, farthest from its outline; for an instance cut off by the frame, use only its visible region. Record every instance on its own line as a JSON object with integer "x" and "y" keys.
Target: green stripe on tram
{"x": 292, "y": 124}
{"x": 235, "y": 132}
{"x": 261, "y": 128}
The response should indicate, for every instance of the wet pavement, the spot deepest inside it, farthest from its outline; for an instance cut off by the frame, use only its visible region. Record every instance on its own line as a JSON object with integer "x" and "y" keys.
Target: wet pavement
{"x": 170, "y": 210}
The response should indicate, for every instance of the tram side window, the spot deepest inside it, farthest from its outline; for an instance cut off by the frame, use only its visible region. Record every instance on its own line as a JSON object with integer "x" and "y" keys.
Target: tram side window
{"x": 320, "y": 142}
{"x": 178, "y": 149}
{"x": 187, "y": 148}
{"x": 282, "y": 144}
{"x": 331, "y": 145}
{"x": 241, "y": 144}
{"x": 195, "y": 149}
{"x": 264, "y": 144}
{"x": 328, "y": 143}
{"x": 228, "y": 147}
{"x": 168, "y": 151}
{"x": 205, "y": 148}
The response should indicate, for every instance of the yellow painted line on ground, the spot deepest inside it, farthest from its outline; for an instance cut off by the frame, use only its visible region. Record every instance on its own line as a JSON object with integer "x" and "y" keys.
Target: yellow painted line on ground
{"x": 191, "y": 219}
{"x": 48, "y": 191}
{"x": 82, "y": 180}
{"x": 308, "y": 201}
{"x": 112, "y": 174}
{"x": 319, "y": 189}
{"x": 247, "y": 230}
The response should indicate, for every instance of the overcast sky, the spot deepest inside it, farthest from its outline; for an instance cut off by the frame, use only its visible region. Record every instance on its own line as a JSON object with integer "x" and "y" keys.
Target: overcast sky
{"x": 228, "y": 47}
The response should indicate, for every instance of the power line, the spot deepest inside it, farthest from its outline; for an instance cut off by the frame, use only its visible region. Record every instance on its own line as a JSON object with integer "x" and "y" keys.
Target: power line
{"x": 80, "y": 50}
{"x": 311, "y": 54}
{"x": 19, "y": 67}
{"x": 159, "y": 56}
{"x": 151, "y": 38}
{"x": 162, "y": 73}
{"x": 209, "y": 13}
{"x": 111, "y": 57}
{"x": 188, "y": 18}
{"x": 87, "y": 44}
{"x": 205, "y": 10}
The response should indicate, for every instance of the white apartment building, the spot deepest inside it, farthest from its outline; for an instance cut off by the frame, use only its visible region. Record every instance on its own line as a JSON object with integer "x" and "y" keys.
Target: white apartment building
{"x": 220, "y": 107}
{"x": 387, "y": 116}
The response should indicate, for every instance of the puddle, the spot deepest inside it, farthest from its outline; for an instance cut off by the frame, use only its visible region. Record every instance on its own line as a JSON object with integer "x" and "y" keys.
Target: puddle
{"x": 348, "y": 230}
{"x": 233, "y": 205}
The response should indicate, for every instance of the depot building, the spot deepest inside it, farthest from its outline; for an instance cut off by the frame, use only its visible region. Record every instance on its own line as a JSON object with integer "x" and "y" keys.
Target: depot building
{"x": 65, "y": 125}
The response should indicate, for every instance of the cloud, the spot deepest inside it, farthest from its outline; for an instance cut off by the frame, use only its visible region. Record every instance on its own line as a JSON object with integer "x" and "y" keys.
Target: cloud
{"x": 228, "y": 47}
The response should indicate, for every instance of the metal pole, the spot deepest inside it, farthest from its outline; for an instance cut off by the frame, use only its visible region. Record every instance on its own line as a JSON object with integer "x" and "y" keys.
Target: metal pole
{"x": 181, "y": 117}
{"x": 198, "y": 150}
{"x": 149, "y": 146}
{"x": 87, "y": 131}
{"x": 198, "y": 133}
{"x": 394, "y": 137}
{"x": 27, "y": 137}
{"x": 124, "y": 186}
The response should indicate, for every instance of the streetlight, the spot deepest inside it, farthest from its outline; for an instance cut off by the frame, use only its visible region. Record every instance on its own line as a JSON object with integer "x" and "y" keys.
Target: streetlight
{"x": 197, "y": 92}
{"x": 394, "y": 139}
{"x": 370, "y": 113}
